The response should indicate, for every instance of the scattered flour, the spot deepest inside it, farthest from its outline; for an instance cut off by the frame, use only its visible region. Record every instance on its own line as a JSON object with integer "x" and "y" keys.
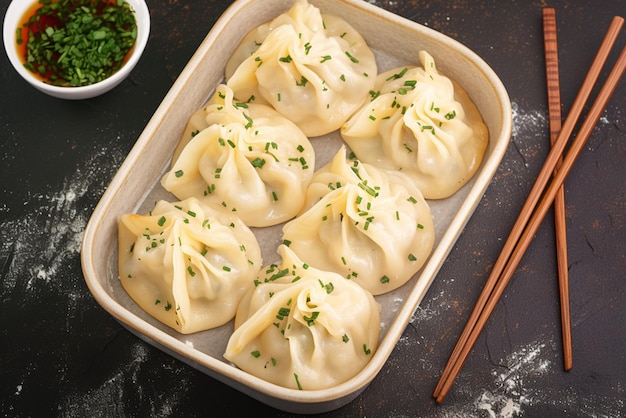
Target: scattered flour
{"x": 41, "y": 243}
{"x": 512, "y": 392}
{"x": 108, "y": 398}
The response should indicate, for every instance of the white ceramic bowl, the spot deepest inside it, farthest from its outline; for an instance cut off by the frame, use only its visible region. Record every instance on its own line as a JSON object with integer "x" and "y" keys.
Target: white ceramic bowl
{"x": 14, "y": 14}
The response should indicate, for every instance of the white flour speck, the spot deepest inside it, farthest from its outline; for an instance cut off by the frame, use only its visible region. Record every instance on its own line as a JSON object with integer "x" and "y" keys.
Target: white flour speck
{"x": 530, "y": 132}
{"x": 512, "y": 391}
{"x": 526, "y": 121}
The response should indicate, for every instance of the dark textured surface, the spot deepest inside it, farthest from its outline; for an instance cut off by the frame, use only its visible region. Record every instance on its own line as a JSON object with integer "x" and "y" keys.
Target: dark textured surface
{"x": 62, "y": 354}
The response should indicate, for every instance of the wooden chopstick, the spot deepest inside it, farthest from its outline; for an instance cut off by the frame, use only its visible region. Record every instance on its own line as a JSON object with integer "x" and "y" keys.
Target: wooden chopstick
{"x": 464, "y": 344}
{"x": 560, "y": 227}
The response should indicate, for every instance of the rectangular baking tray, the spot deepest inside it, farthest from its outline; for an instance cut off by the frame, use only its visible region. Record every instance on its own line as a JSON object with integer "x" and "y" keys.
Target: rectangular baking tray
{"x": 136, "y": 187}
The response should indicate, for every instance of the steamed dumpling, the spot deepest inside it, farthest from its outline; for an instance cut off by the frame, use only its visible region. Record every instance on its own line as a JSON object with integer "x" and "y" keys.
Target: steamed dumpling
{"x": 304, "y": 328}
{"x": 422, "y": 123}
{"x": 370, "y": 225}
{"x": 248, "y": 158}
{"x": 314, "y": 69}
{"x": 187, "y": 263}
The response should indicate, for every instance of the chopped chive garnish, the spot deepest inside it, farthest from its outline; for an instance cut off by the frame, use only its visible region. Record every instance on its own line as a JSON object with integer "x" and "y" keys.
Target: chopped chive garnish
{"x": 352, "y": 58}
{"x": 258, "y": 162}
{"x": 297, "y": 381}
{"x": 89, "y": 47}
{"x": 310, "y": 320}
{"x": 398, "y": 75}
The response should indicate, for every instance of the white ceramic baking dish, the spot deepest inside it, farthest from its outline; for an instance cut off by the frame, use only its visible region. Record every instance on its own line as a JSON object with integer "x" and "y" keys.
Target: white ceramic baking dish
{"x": 136, "y": 187}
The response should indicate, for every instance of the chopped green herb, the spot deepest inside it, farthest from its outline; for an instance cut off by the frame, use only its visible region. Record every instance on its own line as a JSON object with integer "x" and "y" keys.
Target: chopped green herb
{"x": 352, "y": 58}
{"x": 258, "y": 162}
{"x": 310, "y": 320}
{"x": 451, "y": 115}
{"x": 79, "y": 42}
{"x": 398, "y": 75}
{"x": 282, "y": 313}
{"x": 325, "y": 58}
{"x": 249, "y": 119}
{"x": 297, "y": 381}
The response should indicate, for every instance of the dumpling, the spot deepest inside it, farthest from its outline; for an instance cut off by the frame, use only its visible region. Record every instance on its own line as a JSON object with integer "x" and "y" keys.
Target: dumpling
{"x": 313, "y": 68}
{"x": 370, "y": 225}
{"x": 188, "y": 264}
{"x": 304, "y": 328}
{"x": 248, "y": 158}
{"x": 422, "y": 123}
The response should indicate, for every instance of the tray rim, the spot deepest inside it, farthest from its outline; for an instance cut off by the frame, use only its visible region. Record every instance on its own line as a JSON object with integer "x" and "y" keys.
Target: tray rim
{"x": 277, "y": 396}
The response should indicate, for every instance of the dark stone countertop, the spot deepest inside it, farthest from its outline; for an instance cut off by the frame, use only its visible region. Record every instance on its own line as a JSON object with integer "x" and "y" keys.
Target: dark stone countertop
{"x": 61, "y": 354}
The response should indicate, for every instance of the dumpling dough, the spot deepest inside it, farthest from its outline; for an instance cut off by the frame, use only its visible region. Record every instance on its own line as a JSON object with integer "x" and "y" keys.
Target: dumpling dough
{"x": 370, "y": 225}
{"x": 314, "y": 69}
{"x": 304, "y": 328}
{"x": 422, "y": 123}
{"x": 248, "y": 158}
{"x": 187, "y": 263}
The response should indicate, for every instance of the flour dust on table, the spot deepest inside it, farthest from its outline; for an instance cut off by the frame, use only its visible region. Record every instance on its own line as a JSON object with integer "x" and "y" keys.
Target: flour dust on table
{"x": 39, "y": 255}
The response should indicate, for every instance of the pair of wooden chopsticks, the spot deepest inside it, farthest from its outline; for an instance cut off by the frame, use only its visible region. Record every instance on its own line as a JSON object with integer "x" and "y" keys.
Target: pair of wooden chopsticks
{"x": 555, "y": 168}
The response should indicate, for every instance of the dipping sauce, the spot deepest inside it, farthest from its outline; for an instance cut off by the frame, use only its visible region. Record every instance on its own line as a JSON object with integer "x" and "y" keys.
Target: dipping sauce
{"x": 73, "y": 43}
